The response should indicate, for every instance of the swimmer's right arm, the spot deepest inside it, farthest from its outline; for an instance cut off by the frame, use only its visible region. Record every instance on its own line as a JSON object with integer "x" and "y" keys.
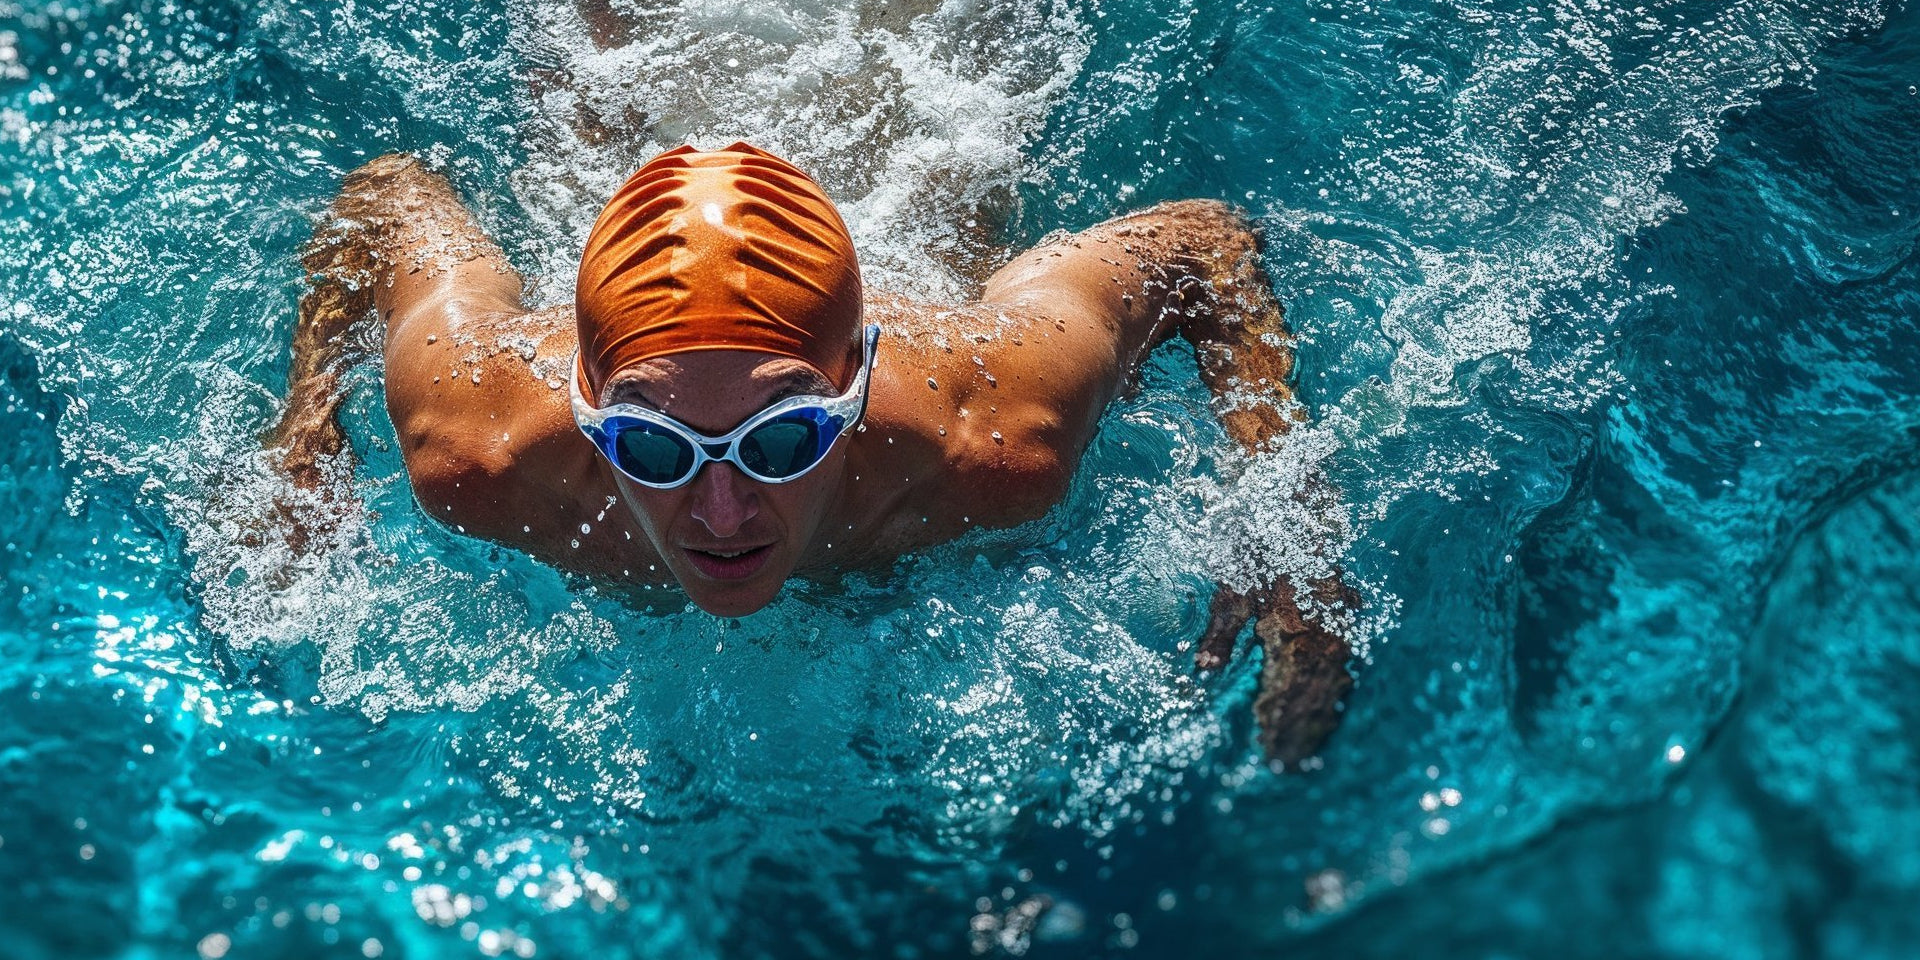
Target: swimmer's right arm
{"x": 397, "y": 240}
{"x": 490, "y": 445}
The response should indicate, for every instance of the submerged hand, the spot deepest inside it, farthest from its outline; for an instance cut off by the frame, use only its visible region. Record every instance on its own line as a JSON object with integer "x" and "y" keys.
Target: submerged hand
{"x": 1231, "y": 611}
{"x": 1304, "y": 676}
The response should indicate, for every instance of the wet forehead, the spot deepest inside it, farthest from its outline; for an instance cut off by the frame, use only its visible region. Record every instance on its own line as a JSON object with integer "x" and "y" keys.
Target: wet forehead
{"x": 713, "y": 392}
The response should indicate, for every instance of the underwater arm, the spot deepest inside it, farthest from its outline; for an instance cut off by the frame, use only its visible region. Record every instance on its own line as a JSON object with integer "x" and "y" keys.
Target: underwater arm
{"x": 1117, "y": 290}
{"x": 341, "y": 269}
{"x": 1240, "y": 339}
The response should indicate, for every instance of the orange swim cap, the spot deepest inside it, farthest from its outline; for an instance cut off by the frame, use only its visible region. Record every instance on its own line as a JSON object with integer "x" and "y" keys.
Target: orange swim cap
{"x": 726, "y": 249}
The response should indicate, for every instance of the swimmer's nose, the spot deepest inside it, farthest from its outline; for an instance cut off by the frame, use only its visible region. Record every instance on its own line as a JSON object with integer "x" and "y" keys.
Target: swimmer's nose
{"x": 724, "y": 499}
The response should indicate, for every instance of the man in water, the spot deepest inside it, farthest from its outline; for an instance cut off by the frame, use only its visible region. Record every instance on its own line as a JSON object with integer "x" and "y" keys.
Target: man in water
{"x": 723, "y": 405}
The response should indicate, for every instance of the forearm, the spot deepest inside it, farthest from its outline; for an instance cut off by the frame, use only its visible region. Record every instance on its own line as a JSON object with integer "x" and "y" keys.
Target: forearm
{"x": 353, "y": 261}
{"x": 1225, "y": 306}
{"x": 342, "y": 273}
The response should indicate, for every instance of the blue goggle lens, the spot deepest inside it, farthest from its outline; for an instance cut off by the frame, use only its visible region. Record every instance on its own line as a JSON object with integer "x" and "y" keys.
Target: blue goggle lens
{"x": 782, "y": 447}
{"x": 650, "y": 454}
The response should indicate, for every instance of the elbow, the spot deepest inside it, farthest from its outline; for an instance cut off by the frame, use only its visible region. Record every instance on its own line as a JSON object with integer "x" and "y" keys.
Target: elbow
{"x": 376, "y": 173}
{"x": 1212, "y": 229}
{"x": 1209, "y": 213}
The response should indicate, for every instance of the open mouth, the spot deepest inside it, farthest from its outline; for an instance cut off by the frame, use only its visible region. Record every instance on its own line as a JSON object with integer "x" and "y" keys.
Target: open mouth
{"x": 730, "y": 564}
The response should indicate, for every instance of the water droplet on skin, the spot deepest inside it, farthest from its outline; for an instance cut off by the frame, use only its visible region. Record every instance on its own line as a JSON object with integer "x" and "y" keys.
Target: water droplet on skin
{"x": 433, "y": 338}
{"x": 586, "y": 528}
{"x": 997, "y": 438}
{"x": 931, "y": 385}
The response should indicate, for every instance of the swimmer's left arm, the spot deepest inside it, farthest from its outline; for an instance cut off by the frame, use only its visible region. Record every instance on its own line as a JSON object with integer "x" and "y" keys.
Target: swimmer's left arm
{"x": 1107, "y": 296}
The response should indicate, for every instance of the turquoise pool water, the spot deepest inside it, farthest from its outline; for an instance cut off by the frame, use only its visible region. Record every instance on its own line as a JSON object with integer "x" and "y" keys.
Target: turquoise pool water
{"x": 1607, "y": 318}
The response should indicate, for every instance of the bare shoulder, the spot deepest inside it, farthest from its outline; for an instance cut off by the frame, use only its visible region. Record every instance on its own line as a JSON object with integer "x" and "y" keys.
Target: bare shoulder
{"x": 475, "y": 382}
{"x": 480, "y": 409}
{"x": 958, "y": 437}
{"x": 995, "y": 401}
{"x": 468, "y": 409}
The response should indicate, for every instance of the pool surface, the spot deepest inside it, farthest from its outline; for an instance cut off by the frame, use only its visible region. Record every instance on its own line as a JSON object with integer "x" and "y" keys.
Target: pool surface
{"x": 1608, "y": 317}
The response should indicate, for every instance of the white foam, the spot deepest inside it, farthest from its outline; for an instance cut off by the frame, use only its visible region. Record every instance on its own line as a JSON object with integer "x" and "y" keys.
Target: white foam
{"x": 913, "y": 117}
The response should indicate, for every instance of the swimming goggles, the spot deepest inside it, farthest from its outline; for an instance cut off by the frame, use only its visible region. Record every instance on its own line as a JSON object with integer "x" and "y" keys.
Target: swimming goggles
{"x": 778, "y": 444}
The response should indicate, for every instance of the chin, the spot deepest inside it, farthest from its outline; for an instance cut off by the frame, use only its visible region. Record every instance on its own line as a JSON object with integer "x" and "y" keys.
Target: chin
{"x": 732, "y": 603}
{"x": 735, "y": 599}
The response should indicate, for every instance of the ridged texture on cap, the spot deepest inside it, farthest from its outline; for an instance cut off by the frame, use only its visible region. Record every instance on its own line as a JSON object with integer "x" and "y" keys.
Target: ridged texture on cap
{"x": 725, "y": 249}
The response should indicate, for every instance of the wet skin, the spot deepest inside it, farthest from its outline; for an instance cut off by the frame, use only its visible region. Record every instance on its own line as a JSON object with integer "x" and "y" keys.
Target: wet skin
{"x": 978, "y": 412}
{"x": 730, "y": 541}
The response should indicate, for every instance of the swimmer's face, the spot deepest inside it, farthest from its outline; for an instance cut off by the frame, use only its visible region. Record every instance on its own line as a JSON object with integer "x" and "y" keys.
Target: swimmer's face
{"x": 730, "y": 540}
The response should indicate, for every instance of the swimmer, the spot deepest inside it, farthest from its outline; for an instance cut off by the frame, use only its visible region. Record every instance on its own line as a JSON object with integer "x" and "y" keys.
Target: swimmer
{"x": 724, "y": 406}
